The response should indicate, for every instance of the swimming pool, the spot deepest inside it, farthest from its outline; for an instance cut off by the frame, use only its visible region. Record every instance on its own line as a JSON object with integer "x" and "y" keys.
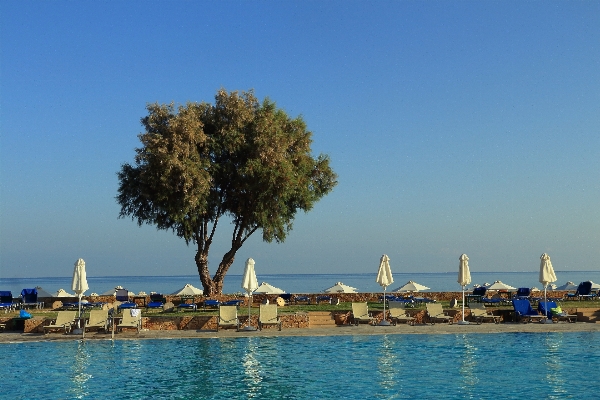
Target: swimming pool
{"x": 507, "y": 365}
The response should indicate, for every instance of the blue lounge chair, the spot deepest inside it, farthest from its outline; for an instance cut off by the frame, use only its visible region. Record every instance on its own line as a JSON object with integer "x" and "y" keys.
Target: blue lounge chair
{"x": 157, "y": 301}
{"x": 122, "y": 295}
{"x": 185, "y": 306}
{"x": 477, "y": 294}
{"x": 524, "y": 311}
{"x": 6, "y": 301}
{"x": 326, "y": 299}
{"x": 236, "y": 303}
{"x": 302, "y": 299}
{"x": 548, "y": 309}
{"x": 29, "y": 298}
{"x": 523, "y": 293}
{"x": 584, "y": 290}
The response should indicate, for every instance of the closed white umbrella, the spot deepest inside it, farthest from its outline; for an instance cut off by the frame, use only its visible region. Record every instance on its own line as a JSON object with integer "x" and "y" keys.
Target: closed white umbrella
{"x": 79, "y": 284}
{"x": 547, "y": 276}
{"x": 384, "y": 279}
{"x": 266, "y": 288}
{"x": 249, "y": 284}
{"x": 411, "y": 286}
{"x": 464, "y": 278}
{"x": 339, "y": 287}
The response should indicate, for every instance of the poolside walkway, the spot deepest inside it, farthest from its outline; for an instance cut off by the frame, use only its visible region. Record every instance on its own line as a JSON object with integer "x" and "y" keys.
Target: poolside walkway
{"x": 345, "y": 330}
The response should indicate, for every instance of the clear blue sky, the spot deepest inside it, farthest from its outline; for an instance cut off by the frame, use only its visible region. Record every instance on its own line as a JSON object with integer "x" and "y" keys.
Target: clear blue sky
{"x": 455, "y": 127}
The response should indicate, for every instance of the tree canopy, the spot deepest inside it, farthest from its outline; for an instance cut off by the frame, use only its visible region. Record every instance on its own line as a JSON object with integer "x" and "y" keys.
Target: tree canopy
{"x": 239, "y": 158}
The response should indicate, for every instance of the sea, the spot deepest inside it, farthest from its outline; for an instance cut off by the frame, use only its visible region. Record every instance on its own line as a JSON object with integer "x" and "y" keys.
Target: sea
{"x": 294, "y": 283}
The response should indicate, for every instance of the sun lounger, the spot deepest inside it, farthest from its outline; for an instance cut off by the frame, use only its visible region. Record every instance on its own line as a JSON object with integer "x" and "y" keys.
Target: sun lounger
{"x": 360, "y": 313}
{"x": 552, "y": 312}
{"x": 302, "y": 299}
{"x": 524, "y": 311}
{"x": 214, "y": 304}
{"x": 323, "y": 299}
{"x": 228, "y": 317}
{"x": 131, "y": 318}
{"x": 436, "y": 313}
{"x": 477, "y": 294}
{"x": 187, "y": 303}
{"x": 64, "y": 320}
{"x": 157, "y": 302}
{"x": 122, "y": 296}
{"x": 479, "y": 313}
{"x": 30, "y": 298}
{"x": 523, "y": 293}
{"x": 98, "y": 319}
{"x": 6, "y": 301}
{"x": 268, "y": 316}
{"x": 398, "y": 313}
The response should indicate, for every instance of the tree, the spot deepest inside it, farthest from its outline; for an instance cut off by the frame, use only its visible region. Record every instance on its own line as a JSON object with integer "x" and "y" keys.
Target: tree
{"x": 238, "y": 159}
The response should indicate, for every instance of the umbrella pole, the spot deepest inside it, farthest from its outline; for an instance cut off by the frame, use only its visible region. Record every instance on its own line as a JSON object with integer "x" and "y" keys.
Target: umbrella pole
{"x": 463, "y": 322}
{"x": 547, "y": 321}
{"x": 384, "y": 322}
{"x": 249, "y": 327}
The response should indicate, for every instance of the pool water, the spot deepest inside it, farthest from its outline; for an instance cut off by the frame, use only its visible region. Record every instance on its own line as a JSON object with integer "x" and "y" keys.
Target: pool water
{"x": 478, "y": 366}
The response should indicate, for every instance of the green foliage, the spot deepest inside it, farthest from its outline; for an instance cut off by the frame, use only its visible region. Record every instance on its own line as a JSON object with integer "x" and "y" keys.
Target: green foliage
{"x": 238, "y": 158}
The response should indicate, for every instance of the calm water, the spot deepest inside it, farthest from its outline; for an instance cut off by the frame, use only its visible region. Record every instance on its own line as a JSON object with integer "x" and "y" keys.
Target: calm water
{"x": 294, "y": 283}
{"x": 511, "y": 365}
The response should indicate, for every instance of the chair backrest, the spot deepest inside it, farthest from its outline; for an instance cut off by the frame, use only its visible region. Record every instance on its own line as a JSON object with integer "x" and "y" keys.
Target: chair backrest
{"x": 360, "y": 309}
{"x": 122, "y": 295}
{"x": 523, "y": 307}
{"x": 477, "y": 306}
{"x": 131, "y": 317}
{"x": 98, "y": 317}
{"x": 227, "y": 315}
{"x": 65, "y": 317}
{"x": 523, "y": 292}
{"x": 585, "y": 288}
{"x": 479, "y": 291}
{"x": 6, "y": 297}
{"x": 545, "y": 307}
{"x": 267, "y": 313}
{"x": 286, "y": 296}
{"x": 158, "y": 297}
{"x": 434, "y": 309}
{"x": 397, "y": 309}
{"x": 29, "y": 295}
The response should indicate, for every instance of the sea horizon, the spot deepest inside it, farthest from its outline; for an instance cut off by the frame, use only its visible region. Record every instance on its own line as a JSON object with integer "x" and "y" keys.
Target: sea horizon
{"x": 296, "y": 283}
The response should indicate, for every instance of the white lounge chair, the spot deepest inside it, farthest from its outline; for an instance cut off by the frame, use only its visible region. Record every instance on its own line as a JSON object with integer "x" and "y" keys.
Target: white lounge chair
{"x": 228, "y": 317}
{"x": 436, "y": 313}
{"x": 360, "y": 313}
{"x": 268, "y": 316}
{"x": 132, "y": 318}
{"x": 64, "y": 320}
{"x": 398, "y": 313}
{"x": 479, "y": 313}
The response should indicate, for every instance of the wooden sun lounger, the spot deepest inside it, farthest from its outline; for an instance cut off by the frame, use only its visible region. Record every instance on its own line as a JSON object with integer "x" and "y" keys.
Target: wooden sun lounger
{"x": 436, "y": 313}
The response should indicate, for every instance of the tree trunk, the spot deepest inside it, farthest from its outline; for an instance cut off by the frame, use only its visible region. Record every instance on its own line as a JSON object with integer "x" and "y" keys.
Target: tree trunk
{"x": 214, "y": 286}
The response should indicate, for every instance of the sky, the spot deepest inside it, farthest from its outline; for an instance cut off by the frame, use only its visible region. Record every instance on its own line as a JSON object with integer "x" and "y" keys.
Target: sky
{"x": 454, "y": 127}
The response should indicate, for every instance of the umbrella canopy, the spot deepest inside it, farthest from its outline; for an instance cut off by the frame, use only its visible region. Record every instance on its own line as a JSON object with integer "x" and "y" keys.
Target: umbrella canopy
{"x": 339, "y": 287}
{"x": 188, "y": 290}
{"x": 79, "y": 284}
{"x": 249, "y": 282}
{"x": 534, "y": 289}
{"x": 568, "y": 286}
{"x": 42, "y": 293}
{"x": 268, "y": 289}
{"x": 499, "y": 285}
{"x": 411, "y": 286}
{"x": 594, "y": 286}
{"x": 62, "y": 293}
{"x": 464, "y": 275}
{"x": 384, "y": 274}
{"x": 547, "y": 274}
